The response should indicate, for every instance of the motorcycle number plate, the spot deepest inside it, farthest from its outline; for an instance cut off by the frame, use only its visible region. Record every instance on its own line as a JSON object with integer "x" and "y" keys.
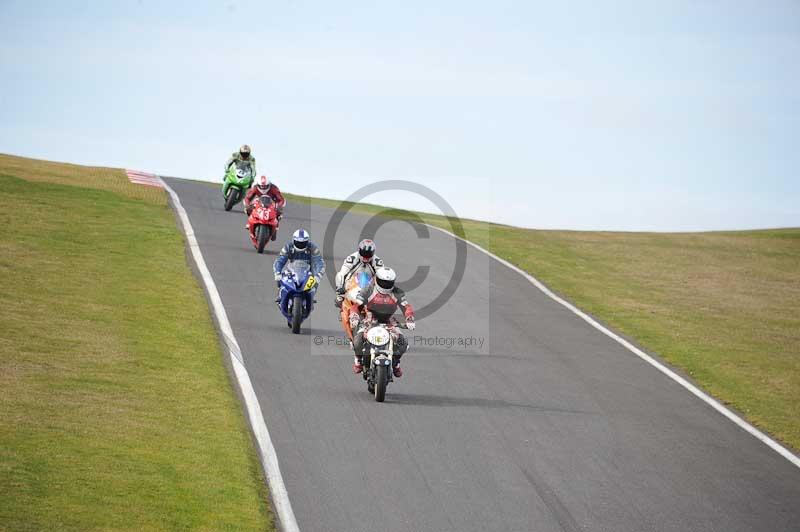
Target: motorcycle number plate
{"x": 310, "y": 283}
{"x": 378, "y": 336}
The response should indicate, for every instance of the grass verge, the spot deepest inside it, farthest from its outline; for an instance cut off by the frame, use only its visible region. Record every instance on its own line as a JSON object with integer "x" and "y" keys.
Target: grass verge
{"x": 115, "y": 409}
{"x": 724, "y": 307}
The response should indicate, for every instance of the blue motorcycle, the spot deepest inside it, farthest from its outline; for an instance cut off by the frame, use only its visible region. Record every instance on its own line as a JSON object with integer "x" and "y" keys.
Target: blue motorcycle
{"x": 298, "y": 288}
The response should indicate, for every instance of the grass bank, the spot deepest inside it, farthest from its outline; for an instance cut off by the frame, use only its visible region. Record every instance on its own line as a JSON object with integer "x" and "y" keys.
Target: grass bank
{"x": 115, "y": 409}
{"x": 724, "y": 307}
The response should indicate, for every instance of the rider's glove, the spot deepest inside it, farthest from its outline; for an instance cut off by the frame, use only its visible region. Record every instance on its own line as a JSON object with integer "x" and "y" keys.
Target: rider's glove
{"x": 340, "y": 291}
{"x": 411, "y": 325}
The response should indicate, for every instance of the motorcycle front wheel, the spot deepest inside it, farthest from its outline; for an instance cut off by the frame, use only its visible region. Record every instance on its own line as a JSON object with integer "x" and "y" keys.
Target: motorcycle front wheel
{"x": 262, "y": 236}
{"x": 381, "y": 380}
{"x": 297, "y": 313}
{"x": 233, "y": 197}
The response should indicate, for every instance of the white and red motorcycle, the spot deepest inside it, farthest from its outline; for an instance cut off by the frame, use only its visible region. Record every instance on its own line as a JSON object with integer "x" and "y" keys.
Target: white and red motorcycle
{"x": 377, "y": 359}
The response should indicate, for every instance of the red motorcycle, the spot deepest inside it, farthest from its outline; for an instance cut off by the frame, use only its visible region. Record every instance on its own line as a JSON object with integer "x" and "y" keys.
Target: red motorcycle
{"x": 262, "y": 222}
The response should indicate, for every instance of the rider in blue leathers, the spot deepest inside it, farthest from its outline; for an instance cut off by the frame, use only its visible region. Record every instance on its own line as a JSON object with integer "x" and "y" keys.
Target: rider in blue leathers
{"x": 300, "y": 247}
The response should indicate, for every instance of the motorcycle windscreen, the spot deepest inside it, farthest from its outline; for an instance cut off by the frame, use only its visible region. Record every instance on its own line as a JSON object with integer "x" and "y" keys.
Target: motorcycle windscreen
{"x": 244, "y": 170}
{"x": 364, "y": 279}
{"x": 301, "y": 269}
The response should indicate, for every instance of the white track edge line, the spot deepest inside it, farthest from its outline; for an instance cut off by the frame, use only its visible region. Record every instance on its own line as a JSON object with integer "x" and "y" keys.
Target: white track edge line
{"x": 716, "y": 405}
{"x": 269, "y": 458}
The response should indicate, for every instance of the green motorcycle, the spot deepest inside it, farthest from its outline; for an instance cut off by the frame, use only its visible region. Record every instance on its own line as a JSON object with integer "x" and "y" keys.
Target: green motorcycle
{"x": 237, "y": 180}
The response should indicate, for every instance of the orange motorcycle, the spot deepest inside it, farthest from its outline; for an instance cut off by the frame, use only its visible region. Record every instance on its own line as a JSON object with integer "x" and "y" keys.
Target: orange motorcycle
{"x": 354, "y": 285}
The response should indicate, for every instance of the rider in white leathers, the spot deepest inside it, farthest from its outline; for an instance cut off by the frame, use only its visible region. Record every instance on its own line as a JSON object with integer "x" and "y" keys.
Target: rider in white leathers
{"x": 364, "y": 259}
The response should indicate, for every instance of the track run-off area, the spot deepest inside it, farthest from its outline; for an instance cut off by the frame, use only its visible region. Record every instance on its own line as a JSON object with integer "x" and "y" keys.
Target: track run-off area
{"x": 514, "y": 414}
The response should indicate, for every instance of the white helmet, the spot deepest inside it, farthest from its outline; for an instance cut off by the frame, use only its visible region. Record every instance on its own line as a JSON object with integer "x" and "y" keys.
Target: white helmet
{"x": 300, "y": 239}
{"x": 384, "y": 280}
{"x": 263, "y": 185}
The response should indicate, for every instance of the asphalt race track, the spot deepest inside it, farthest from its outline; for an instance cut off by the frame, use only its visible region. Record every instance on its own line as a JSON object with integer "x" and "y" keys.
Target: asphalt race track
{"x": 513, "y": 414}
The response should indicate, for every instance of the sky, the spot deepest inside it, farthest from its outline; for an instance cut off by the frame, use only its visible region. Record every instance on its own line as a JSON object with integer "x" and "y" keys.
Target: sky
{"x": 635, "y": 116}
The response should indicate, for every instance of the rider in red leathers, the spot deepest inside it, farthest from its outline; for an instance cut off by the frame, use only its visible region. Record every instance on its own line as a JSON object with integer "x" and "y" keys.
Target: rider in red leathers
{"x": 379, "y": 302}
{"x": 264, "y": 187}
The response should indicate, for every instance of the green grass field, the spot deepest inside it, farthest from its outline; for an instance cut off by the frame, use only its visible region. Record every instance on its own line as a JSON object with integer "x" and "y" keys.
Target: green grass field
{"x": 724, "y": 307}
{"x": 116, "y": 412}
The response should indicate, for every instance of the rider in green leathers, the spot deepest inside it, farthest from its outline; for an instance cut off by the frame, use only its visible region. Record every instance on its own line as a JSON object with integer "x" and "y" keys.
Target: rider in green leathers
{"x": 241, "y": 158}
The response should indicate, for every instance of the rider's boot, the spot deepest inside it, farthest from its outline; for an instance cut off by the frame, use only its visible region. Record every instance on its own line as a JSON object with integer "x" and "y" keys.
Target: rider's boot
{"x": 357, "y": 367}
{"x": 397, "y": 371}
